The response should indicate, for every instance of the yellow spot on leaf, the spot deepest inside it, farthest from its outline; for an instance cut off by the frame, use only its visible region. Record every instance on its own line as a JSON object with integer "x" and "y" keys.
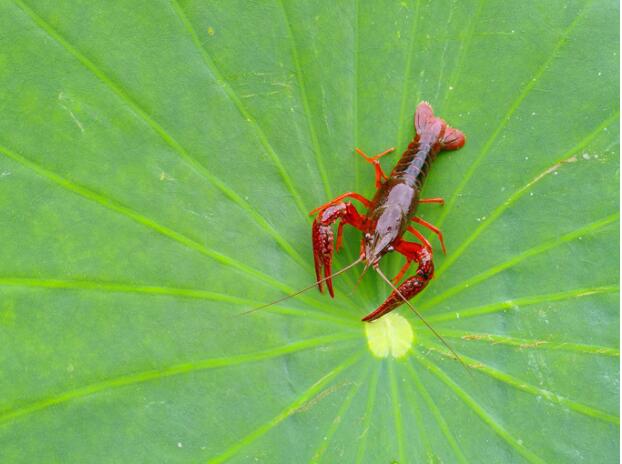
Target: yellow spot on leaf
{"x": 210, "y": 31}
{"x": 389, "y": 335}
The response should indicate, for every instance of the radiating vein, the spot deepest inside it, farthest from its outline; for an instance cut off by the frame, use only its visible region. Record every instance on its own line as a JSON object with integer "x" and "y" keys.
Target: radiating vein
{"x": 305, "y": 104}
{"x": 228, "y": 89}
{"x": 521, "y": 302}
{"x": 156, "y": 374}
{"x": 355, "y": 90}
{"x": 114, "y": 205}
{"x": 397, "y": 414}
{"x": 285, "y": 413}
{"x": 325, "y": 443}
{"x": 244, "y": 112}
{"x": 529, "y": 455}
{"x": 421, "y": 428}
{"x": 407, "y": 73}
{"x": 156, "y": 290}
{"x": 515, "y": 196}
{"x": 369, "y": 410}
{"x": 174, "y": 144}
{"x": 519, "y": 384}
{"x": 590, "y": 228}
{"x": 440, "y": 420}
{"x": 531, "y": 83}
{"x": 443, "y": 58}
{"x": 528, "y": 343}
{"x": 465, "y": 45}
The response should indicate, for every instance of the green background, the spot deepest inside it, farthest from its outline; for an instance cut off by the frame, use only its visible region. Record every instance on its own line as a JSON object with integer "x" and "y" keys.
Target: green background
{"x": 158, "y": 161}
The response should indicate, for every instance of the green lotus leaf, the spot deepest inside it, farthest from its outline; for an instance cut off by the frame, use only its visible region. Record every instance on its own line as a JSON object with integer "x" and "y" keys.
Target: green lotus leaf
{"x": 158, "y": 162}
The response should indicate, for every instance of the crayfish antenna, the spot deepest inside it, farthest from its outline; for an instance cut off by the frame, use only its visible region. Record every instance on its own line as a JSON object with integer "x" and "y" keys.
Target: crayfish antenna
{"x": 287, "y": 297}
{"x": 412, "y": 308}
{"x": 359, "y": 280}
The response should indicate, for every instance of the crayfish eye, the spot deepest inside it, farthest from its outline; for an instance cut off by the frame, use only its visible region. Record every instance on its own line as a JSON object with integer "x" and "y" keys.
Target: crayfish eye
{"x": 390, "y": 248}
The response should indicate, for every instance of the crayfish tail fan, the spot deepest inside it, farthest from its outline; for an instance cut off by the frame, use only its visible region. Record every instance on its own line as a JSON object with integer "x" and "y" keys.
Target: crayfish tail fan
{"x": 424, "y": 116}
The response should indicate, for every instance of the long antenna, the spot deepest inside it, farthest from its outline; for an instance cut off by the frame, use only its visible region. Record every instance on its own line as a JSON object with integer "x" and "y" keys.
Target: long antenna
{"x": 412, "y": 308}
{"x": 358, "y": 281}
{"x": 287, "y": 297}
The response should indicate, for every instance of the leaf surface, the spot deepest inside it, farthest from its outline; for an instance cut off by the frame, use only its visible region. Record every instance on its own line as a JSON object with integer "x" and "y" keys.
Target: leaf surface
{"x": 157, "y": 164}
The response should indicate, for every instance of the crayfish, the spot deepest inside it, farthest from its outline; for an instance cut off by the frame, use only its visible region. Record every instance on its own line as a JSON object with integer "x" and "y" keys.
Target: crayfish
{"x": 389, "y": 214}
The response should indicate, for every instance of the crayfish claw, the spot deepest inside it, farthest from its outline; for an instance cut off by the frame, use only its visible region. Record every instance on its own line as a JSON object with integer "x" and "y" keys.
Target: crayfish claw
{"x": 411, "y": 286}
{"x": 322, "y": 236}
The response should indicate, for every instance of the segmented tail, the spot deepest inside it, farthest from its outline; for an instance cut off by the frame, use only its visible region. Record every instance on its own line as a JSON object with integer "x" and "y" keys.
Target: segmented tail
{"x": 426, "y": 122}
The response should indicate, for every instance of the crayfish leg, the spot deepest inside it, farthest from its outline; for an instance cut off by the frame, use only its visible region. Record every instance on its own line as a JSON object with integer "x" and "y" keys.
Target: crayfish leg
{"x": 434, "y": 229}
{"x": 380, "y": 175}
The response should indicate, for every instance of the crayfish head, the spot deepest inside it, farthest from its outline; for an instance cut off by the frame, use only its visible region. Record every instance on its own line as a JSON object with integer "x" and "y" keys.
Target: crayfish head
{"x": 387, "y": 227}
{"x": 376, "y": 246}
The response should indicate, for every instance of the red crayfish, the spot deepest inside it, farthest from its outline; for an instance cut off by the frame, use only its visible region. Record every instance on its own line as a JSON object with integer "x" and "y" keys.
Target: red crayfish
{"x": 389, "y": 214}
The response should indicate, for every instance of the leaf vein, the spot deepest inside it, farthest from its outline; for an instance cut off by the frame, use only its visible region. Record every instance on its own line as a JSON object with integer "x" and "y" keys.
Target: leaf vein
{"x": 515, "y": 196}
{"x": 397, "y": 416}
{"x": 520, "y": 302}
{"x": 179, "y": 369}
{"x": 438, "y": 416}
{"x": 176, "y": 146}
{"x": 590, "y": 228}
{"x": 462, "y": 52}
{"x": 319, "y": 158}
{"x": 528, "y": 388}
{"x": 228, "y": 89}
{"x": 508, "y": 116}
{"x": 479, "y": 410}
{"x": 119, "y": 208}
{"x": 154, "y": 290}
{"x": 407, "y": 72}
{"x": 526, "y": 343}
{"x": 285, "y": 413}
{"x": 369, "y": 409}
{"x": 338, "y": 418}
